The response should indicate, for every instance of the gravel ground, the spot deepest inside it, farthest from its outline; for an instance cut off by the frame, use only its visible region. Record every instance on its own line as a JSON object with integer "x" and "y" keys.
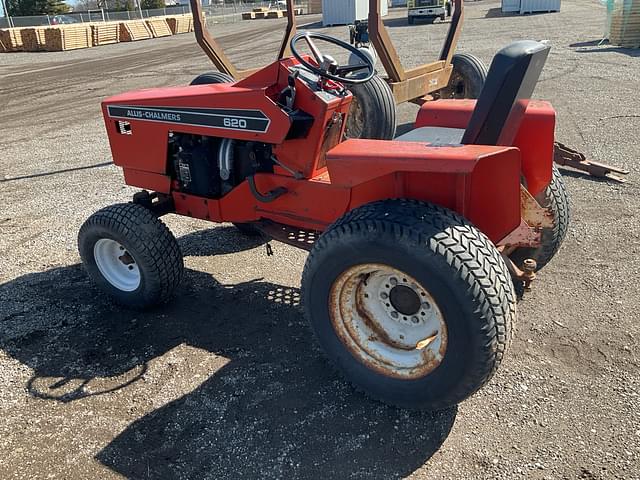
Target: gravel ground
{"x": 226, "y": 381}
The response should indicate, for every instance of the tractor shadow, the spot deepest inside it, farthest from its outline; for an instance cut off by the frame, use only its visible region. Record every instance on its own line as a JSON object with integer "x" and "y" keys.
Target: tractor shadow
{"x": 274, "y": 410}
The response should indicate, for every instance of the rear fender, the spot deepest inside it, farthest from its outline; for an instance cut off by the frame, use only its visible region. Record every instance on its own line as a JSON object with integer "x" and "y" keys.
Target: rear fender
{"x": 482, "y": 183}
{"x": 535, "y": 137}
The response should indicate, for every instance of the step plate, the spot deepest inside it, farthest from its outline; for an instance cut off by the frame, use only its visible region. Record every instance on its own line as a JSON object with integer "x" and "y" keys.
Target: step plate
{"x": 297, "y": 237}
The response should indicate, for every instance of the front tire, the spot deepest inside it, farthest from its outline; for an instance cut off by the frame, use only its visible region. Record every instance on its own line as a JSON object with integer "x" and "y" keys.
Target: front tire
{"x": 446, "y": 332}
{"x": 131, "y": 255}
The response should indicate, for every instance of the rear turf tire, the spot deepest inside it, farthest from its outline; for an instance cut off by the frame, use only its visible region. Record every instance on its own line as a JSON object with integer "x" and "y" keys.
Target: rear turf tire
{"x": 467, "y": 78}
{"x": 554, "y": 198}
{"x": 212, "y": 77}
{"x": 373, "y": 111}
{"x": 131, "y": 255}
{"x": 447, "y": 260}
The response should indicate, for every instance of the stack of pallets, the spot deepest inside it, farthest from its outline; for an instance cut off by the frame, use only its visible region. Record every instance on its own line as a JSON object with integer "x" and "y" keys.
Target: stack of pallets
{"x": 133, "y": 30}
{"x": 68, "y": 37}
{"x": 159, "y": 27}
{"x": 266, "y": 13}
{"x": 625, "y": 24}
{"x": 11, "y": 39}
{"x": 255, "y": 13}
{"x": 33, "y": 39}
{"x": 180, "y": 23}
{"x": 105, "y": 33}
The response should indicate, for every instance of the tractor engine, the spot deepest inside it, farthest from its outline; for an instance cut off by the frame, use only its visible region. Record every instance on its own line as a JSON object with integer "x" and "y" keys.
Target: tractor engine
{"x": 211, "y": 167}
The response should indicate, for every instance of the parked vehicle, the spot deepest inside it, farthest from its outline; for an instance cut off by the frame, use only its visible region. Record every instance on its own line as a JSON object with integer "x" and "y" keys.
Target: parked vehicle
{"x": 428, "y": 9}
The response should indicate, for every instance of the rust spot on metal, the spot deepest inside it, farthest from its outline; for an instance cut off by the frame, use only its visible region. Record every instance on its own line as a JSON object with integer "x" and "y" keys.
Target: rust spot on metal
{"x": 533, "y": 213}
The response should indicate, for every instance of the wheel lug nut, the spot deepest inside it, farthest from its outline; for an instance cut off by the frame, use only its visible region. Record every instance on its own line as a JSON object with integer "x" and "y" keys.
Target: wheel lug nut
{"x": 384, "y": 295}
{"x": 393, "y": 281}
{"x": 394, "y": 314}
{"x": 415, "y": 320}
{"x": 426, "y": 305}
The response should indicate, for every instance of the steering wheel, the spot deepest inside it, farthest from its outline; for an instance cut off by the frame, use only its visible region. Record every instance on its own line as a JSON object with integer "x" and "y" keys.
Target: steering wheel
{"x": 327, "y": 66}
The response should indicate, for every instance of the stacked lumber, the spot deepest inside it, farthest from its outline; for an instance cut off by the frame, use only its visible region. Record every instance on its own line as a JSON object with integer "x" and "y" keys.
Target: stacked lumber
{"x": 274, "y": 14}
{"x": 180, "y": 23}
{"x": 105, "y": 33}
{"x": 625, "y": 24}
{"x": 33, "y": 39}
{"x": 132, "y": 30}
{"x": 11, "y": 39}
{"x": 159, "y": 27}
{"x": 68, "y": 37}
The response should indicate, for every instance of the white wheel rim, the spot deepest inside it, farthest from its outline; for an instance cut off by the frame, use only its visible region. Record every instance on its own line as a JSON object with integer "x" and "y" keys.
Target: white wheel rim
{"x": 116, "y": 265}
{"x": 388, "y": 321}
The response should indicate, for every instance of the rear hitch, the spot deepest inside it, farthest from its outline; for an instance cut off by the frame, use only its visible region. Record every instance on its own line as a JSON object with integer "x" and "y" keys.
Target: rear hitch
{"x": 526, "y": 274}
{"x": 568, "y": 157}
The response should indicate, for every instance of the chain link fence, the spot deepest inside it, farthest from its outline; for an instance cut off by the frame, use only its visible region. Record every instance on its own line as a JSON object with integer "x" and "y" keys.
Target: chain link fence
{"x": 228, "y": 11}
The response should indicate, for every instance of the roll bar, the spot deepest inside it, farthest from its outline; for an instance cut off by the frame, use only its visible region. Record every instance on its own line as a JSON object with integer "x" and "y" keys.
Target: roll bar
{"x": 407, "y": 85}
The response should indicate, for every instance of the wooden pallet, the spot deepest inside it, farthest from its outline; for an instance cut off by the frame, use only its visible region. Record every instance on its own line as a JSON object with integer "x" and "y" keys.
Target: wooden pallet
{"x": 11, "y": 39}
{"x": 133, "y": 30}
{"x": 159, "y": 27}
{"x": 105, "y": 33}
{"x": 68, "y": 37}
{"x": 261, "y": 10}
{"x": 269, "y": 14}
{"x": 180, "y": 23}
{"x": 33, "y": 39}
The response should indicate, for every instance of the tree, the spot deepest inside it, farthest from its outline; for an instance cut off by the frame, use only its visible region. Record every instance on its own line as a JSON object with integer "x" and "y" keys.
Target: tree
{"x": 36, "y": 7}
{"x": 53, "y": 7}
{"x": 149, "y": 4}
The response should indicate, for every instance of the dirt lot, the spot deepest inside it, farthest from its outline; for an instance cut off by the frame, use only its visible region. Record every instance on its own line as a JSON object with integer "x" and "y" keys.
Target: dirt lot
{"x": 227, "y": 382}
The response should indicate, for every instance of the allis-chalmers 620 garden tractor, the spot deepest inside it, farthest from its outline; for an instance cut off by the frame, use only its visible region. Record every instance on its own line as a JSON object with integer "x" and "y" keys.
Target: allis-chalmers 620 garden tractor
{"x": 415, "y": 243}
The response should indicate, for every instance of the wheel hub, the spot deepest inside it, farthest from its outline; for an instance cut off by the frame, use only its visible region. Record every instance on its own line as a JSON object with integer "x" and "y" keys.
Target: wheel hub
{"x": 404, "y": 300}
{"x": 116, "y": 264}
{"x": 388, "y": 321}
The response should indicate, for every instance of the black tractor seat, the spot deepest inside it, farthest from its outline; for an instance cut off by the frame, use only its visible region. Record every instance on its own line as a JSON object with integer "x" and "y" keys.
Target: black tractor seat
{"x": 495, "y": 120}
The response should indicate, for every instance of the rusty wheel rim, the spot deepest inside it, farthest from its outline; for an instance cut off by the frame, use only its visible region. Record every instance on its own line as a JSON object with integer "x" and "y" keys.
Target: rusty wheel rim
{"x": 388, "y": 321}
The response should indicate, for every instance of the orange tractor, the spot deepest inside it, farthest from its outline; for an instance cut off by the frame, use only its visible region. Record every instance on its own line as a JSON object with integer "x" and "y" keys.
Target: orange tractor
{"x": 415, "y": 242}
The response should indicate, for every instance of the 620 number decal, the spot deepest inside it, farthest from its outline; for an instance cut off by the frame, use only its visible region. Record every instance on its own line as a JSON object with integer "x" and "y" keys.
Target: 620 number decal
{"x": 235, "y": 123}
